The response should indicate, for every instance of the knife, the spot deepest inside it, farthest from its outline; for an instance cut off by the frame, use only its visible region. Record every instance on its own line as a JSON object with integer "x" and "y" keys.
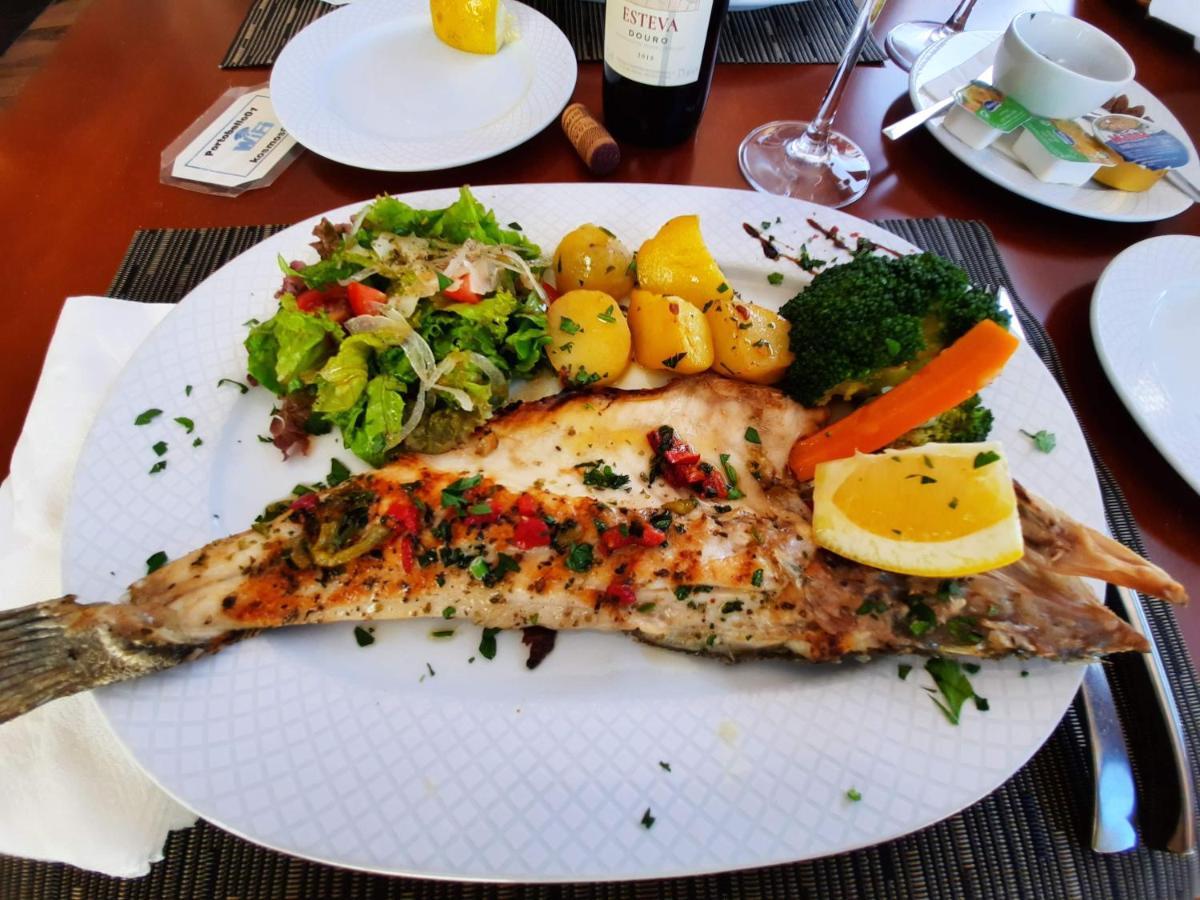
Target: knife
{"x": 1114, "y": 790}
{"x": 1183, "y": 839}
{"x": 921, "y": 116}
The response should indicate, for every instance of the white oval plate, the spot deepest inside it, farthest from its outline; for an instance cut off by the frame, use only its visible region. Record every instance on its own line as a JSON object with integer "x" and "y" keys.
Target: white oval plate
{"x": 370, "y": 85}
{"x": 302, "y": 741}
{"x": 1145, "y": 318}
{"x": 996, "y": 163}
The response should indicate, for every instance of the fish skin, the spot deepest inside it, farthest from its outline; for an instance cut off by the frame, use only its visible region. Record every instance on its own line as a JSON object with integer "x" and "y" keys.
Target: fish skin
{"x": 695, "y": 593}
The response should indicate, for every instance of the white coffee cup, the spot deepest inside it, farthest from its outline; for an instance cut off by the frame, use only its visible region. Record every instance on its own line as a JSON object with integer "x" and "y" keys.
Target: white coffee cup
{"x": 1060, "y": 67}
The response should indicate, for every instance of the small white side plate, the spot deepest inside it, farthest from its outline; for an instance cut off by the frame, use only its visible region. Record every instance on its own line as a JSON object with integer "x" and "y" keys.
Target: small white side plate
{"x": 996, "y": 163}
{"x": 1145, "y": 320}
{"x": 372, "y": 86}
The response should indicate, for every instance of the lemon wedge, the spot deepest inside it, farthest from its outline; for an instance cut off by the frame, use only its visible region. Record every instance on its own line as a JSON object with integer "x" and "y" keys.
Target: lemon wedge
{"x": 476, "y": 26}
{"x": 676, "y": 262}
{"x": 940, "y": 510}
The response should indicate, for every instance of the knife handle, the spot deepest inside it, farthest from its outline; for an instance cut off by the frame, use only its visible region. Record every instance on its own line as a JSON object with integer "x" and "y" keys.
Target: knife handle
{"x": 920, "y": 117}
{"x": 1115, "y": 800}
{"x": 1183, "y": 838}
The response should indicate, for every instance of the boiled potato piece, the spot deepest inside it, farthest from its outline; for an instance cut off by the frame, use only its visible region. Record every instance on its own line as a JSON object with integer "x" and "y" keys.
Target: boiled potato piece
{"x": 750, "y": 342}
{"x": 676, "y": 262}
{"x": 669, "y": 333}
{"x": 592, "y": 258}
{"x": 589, "y": 338}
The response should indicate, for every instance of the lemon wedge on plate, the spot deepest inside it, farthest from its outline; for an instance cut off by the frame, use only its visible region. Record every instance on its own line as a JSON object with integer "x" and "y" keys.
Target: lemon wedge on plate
{"x": 940, "y": 510}
{"x": 476, "y": 26}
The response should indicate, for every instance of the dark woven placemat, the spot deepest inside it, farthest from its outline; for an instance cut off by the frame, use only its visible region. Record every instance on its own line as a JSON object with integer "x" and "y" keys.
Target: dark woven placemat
{"x": 1028, "y": 839}
{"x": 810, "y": 32}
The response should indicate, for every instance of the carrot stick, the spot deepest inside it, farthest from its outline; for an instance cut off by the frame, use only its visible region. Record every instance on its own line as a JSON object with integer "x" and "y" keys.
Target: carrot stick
{"x": 957, "y": 373}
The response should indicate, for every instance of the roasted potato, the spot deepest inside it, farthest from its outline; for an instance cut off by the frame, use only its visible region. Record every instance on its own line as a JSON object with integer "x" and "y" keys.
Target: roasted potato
{"x": 669, "y": 333}
{"x": 750, "y": 342}
{"x": 589, "y": 338}
{"x": 676, "y": 262}
{"x": 591, "y": 257}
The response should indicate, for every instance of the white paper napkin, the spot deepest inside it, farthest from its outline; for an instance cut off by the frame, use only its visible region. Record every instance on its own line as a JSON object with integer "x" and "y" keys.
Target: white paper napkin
{"x": 69, "y": 792}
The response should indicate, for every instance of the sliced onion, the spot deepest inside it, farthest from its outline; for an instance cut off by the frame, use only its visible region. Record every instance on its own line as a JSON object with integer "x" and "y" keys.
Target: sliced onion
{"x": 414, "y": 417}
{"x": 462, "y": 397}
{"x": 494, "y": 376}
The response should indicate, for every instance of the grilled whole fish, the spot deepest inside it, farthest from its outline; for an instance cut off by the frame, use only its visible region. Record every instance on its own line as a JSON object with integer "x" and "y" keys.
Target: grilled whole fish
{"x": 525, "y": 525}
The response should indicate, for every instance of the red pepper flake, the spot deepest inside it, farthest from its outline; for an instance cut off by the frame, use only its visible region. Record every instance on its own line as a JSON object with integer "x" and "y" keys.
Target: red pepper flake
{"x": 526, "y": 505}
{"x": 304, "y": 503}
{"x": 531, "y": 532}
{"x": 406, "y": 553}
{"x": 636, "y": 534}
{"x": 621, "y": 593}
{"x": 742, "y": 312}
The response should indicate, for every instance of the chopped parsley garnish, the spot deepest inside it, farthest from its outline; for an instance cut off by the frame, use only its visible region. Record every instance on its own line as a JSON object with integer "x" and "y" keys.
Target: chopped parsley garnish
{"x": 444, "y": 633}
{"x": 871, "y": 606}
{"x": 632, "y": 267}
{"x": 731, "y": 476}
{"x": 920, "y": 617}
{"x": 752, "y": 436}
{"x": 567, "y": 347}
{"x": 479, "y": 568}
{"x": 147, "y": 417}
{"x": 599, "y": 474}
{"x": 363, "y": 637}
{"x": 159, "y": 448}
{"x": 756, "y": 579}
{"x": 953, "y": 504}
{"x": 672, "y": 361}
{"x": 583, "y": 377}
{"x": 187, "y": 390}
{"x": 515, "y": 226}
{"x": 607, "y": 316}
{"x": 579, "y": 557}
{"x": 962, "y": 630}
{"x": 853, "y": 795}
{"x": 265, "y": 439}
{"x": 925, "y": 479}
{"x": 986, "y": 458}
{"x": 775, "y": 278}
{"x": 731, "y": 606}
{"x": 337, "y": 472}
{"x": 158, "y": 467}
{"x": 665, "y": 766}
{"x": 444, "y": 281}
{"x": 448, "y": 612}
{"x": 683, "y": 591}
{"x": 722, "y": 288}
{"x": 956, "y": 689}
{"x": 645, "y": 608}
{"x": 452, "y": 494}
{"x": 237, "y": 384}
{"x": 951, "y": 588}
{"x": 155, "y": 561}
{"x": 188, "y": 425}
{"x": 903, "y": 670}
{"x": 1043, "y": 440}
{"x": 487, "y": 643}
{"x": 480, "y": 509}
{"x": 569, "y": 326}
{"x": 808, "y": 262}
{"x": 647, "y": 819}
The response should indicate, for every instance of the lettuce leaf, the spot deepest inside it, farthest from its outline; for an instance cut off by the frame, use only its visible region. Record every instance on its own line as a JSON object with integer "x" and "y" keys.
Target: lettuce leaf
{"x": 371, "y": 427}
{"x": 344, "y": 376}
{"x": 287, "y": 349}
{"x": 525, "y": 343}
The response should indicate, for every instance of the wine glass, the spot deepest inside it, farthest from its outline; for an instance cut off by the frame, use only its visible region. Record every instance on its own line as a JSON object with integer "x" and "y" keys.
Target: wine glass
{"x": 810, "y": 160}
{"x": 908, "y": 40}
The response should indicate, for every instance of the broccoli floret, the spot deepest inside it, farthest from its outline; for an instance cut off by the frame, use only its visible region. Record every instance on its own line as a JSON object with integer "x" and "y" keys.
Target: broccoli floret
{"x": 966, "y": 423}
{"x": 871, "y": 322}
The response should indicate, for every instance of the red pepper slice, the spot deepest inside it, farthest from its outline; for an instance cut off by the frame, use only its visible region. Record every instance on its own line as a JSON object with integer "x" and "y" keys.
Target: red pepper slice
{"x": 304, "y": 502}
{"x": 526, "y": 505}
{"x": 332, "y": 301}
{"x": 681, "y": 455}
{"x": 406, "y": 553}
{"x": 406, "y": 516}
{"x": 531, "y": 532}
{"x": 552, "y": 293}
{"x": 621, "y": 593}
{"x": 364, "y": 299}
{"x": 462, "y": 293}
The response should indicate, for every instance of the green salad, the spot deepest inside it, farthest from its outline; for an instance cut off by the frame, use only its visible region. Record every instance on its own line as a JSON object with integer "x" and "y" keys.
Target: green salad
{"x": 406, "y": 332}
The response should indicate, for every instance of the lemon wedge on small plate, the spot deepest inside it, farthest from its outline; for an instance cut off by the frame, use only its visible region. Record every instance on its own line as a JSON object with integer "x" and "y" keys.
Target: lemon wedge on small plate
{"x": 476, "y": 26}
{"x": 940, "y": 510}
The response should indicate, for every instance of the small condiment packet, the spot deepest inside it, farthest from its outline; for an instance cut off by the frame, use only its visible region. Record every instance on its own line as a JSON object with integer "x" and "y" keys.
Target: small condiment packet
{"x": 1060, "y": 151}
{"x": 983, "y": 113}
{"x": 1140, "y": 141}
{"x": 237, "y": 145}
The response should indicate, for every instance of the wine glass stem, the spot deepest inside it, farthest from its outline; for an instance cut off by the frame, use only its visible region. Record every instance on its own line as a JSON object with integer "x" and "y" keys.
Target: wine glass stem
{"x": 958, "y": 19}
{"x": 816, "y": 137}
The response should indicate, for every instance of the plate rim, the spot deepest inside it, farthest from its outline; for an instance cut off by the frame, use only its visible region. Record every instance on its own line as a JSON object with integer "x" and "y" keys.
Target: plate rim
{"x": 564, "y": 88}
{"x": 1099, "y": 305}
{"x": 1030, "y": 749}
{"x": 967, "y": 157}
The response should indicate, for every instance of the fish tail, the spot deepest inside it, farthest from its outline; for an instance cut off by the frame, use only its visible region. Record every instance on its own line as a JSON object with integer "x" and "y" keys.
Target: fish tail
{"x": 60, "y": 647}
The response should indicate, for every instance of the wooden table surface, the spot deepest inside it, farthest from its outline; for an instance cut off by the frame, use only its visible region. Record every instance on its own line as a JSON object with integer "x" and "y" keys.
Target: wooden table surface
{"x": 79, "y": 162}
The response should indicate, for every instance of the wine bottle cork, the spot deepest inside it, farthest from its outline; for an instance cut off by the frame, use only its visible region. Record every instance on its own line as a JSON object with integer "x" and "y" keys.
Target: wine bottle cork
{"x": 590, "y": 139}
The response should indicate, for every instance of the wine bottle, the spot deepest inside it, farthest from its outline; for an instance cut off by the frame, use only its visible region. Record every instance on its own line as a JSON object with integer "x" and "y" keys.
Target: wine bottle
{"x": 658, "y": 66}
